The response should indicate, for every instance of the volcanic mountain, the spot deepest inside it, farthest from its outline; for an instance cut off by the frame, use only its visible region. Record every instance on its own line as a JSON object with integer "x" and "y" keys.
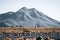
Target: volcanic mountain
{"x": 27, "y": 18}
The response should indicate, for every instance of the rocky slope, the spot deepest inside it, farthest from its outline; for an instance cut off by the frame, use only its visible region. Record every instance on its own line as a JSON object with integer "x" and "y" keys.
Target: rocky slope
{"x": 27, "y": 18}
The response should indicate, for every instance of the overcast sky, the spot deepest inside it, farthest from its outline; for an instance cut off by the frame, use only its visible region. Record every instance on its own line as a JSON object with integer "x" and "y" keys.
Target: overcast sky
{"x": 48, "y": 7}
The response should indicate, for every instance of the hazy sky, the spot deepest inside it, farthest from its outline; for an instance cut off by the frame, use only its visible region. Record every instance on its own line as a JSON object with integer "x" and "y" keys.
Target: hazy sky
{"x": 48, "y": 7}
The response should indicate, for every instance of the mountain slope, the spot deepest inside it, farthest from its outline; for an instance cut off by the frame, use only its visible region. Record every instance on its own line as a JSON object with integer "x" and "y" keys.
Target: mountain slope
{"x": 27, "y": 18}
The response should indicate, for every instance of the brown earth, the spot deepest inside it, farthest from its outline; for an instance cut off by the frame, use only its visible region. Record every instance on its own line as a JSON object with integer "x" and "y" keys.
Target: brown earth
{"x": 25, "y": 30}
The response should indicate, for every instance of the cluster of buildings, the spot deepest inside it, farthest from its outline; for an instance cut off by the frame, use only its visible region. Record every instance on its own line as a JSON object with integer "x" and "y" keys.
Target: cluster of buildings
{"x": 30, "y": 36}
{"x": 25, "y": 34}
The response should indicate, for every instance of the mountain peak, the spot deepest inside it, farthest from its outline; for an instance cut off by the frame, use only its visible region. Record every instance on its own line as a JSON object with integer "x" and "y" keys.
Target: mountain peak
{"x": 27, "y": 8}
{"x": 32, "y": 9}
{"x": 28, "y": 17}
{"x": 24, "y": 8}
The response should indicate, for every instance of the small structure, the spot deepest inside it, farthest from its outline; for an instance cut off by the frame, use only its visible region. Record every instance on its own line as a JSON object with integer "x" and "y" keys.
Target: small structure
{"x": 52, "y": 39}
{"x": 42, "y": 38}
{"x": 30, "y": 38}
{"x": 39, "y": 38}
{"x": 7, "y": 39}
{"x": 21, "y": 38}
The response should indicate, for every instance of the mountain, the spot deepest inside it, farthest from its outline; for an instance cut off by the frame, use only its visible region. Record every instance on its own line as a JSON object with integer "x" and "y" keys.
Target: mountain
{"x": 25, "y": 17}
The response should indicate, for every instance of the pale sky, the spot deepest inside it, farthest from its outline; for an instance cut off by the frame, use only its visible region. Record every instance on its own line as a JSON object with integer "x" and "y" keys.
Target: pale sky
{"x": 48, "y": 7}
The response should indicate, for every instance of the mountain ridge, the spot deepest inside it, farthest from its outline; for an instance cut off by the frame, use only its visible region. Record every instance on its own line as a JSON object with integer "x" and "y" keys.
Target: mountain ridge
{"x": 27, "y": 17}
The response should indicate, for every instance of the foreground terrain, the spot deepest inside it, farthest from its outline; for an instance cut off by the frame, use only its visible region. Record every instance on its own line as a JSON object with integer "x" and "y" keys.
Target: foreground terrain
{"x": 19, "y": 33}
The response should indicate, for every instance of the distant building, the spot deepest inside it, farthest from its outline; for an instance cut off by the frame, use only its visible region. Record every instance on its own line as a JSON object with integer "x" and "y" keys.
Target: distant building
{"x": 28, "y": 34}
{"x": 7, "y": 39}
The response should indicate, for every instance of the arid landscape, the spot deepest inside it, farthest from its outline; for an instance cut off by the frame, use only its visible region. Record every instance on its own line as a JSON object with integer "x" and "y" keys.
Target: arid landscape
{"x": 21, "y": 29}
{"x": 28, "y": 24}
{"x": 19, "y": 33}
{"x": 29, "y": 19}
